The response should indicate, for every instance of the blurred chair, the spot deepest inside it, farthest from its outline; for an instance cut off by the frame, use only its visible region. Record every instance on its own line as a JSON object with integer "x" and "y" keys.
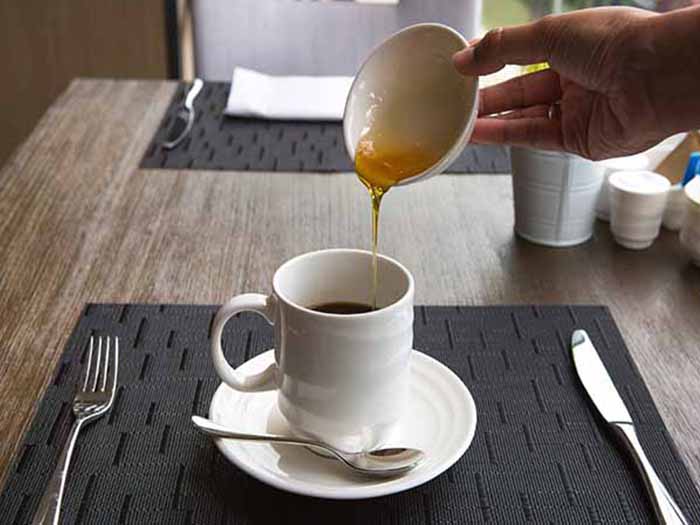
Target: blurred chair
{"x": 308, "y": 37}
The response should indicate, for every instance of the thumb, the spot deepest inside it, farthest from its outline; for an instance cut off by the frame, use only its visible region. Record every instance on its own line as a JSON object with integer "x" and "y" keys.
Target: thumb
{"x": 523, "y": 44}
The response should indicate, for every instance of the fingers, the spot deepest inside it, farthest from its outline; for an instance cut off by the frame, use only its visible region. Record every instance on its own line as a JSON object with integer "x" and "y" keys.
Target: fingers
{"x": 542, "y": 87}
{"x": 541, "y": 111}
{"x": 536, "y": 132}
{"x": 521, "y": 44}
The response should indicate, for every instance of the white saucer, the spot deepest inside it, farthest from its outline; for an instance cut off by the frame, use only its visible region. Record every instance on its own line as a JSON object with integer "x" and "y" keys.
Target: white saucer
{"x": 441, "y": 421}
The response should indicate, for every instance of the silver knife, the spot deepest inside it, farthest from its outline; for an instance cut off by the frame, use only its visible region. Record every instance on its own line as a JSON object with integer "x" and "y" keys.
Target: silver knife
{"x": 602, "y": 391}
{"x": 184, "y": 118}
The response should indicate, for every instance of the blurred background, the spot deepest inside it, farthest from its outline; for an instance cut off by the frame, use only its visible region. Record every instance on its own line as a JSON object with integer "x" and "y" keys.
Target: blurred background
{"x": 46, "y": 44}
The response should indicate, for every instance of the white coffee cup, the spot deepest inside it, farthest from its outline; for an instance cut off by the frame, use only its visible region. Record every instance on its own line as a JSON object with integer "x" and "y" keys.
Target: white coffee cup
{"x": 637, "y": 204}
{"x": 340, "y": 378}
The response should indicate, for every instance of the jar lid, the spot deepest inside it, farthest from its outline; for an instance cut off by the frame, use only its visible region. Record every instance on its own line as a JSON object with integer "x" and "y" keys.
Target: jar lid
{"x": 640, "y": 182}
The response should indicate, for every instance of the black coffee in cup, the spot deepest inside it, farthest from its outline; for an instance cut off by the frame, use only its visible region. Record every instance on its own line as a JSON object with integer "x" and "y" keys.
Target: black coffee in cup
{"x": 342, "y": 308}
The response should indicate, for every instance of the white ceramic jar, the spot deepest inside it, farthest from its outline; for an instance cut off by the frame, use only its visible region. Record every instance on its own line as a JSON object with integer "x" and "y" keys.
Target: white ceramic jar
{"x": 554, "y": 196}
{"x": 676, "y": 207}
{"x": 637, "y": 204}
{"x": 633, "y": 162}
{"x": 690, "y": 232}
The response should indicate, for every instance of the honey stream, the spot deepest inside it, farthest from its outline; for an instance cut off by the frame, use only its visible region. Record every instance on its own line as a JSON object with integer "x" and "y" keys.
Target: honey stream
{"x": 380, "y": 164}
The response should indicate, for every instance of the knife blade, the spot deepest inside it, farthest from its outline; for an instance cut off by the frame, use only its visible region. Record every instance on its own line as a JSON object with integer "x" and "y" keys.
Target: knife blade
{"x": 602, "y": 392}
{"x": 596, "y": 380}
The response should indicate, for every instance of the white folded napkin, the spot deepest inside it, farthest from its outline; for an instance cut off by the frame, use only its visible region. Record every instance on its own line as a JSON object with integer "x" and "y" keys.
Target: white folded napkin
{"x": 258, "y": 95}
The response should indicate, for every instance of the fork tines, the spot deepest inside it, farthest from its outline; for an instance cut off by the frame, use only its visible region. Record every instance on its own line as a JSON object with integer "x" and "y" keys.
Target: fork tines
{"x": 96, "y": 374}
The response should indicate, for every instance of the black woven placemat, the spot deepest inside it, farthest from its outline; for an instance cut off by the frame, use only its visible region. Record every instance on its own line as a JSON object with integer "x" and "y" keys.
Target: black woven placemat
{"x": 540, "y": 454}
{"x": 218, "y": 142}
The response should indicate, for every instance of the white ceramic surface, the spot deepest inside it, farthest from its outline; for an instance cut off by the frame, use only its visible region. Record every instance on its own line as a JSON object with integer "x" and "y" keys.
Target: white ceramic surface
{"x": 690, "y": 232}
{"x": 658, "y": 153}
{"x": 554, "y": 196}
{"x": 409, "y": 84}
{"x": 676, "y": 207}
{"x": 341, "y": 378}
{"x": 441, "y": 422}
{"x": 637, "y": 204}
{"x": 633, "y": 162}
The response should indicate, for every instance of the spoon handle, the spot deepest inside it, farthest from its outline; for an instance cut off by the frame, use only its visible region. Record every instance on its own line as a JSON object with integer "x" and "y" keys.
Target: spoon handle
{"x": 213, "y": 429}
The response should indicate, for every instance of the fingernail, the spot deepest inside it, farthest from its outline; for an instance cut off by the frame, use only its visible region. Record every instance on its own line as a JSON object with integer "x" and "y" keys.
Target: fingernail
{"x": 463, "y": 58}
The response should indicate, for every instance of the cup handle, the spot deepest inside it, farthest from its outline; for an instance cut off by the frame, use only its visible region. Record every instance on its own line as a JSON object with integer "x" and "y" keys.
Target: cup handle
{"x": 248, "y": 302}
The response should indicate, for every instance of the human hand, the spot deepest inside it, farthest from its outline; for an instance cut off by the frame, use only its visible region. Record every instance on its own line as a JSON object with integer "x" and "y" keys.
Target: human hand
{"x": 601, "y": 96}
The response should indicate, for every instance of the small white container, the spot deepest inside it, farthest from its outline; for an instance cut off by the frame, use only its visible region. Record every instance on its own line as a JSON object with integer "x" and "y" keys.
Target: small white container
{"x": 637, "y": 203}
{"x": 633, "y": 162}
{"x": 676, "y": 206}
{"x": 554, "y": 196}
{"x": 690, "y": 232}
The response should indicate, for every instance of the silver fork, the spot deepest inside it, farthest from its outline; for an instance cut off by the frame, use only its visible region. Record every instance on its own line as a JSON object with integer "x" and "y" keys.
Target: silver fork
{"x": 93, "y": 400}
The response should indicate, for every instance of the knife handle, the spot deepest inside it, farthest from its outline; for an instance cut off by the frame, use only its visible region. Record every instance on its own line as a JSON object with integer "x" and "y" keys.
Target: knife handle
{"x": 193, "y": 92}
{"x": 665, "y": 507}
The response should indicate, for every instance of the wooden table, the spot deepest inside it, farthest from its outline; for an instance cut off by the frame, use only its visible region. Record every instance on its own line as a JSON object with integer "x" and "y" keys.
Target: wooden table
{"x": 80, "y": 222}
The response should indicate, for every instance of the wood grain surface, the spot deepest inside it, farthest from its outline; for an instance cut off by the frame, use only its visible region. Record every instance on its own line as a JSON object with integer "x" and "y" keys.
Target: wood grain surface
{"x": 80, "y": 222}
